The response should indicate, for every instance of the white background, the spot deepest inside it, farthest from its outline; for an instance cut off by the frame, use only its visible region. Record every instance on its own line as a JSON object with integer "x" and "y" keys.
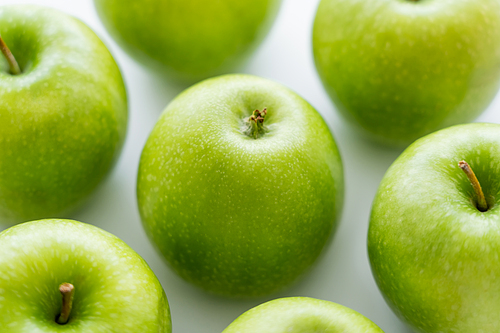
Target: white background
{"x": 343, "y": 274}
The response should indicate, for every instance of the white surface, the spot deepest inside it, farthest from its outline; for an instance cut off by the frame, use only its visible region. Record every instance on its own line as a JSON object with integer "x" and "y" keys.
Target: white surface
{"x": 343, "y": 273}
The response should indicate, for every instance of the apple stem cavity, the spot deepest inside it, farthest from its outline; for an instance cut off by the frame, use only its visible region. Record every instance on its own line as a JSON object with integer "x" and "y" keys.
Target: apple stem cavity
{"x": 67, "y": 290}
{"x": 14, "y": 66}
{"x": 255, "y": 127}
{"x": 482, "y": 205}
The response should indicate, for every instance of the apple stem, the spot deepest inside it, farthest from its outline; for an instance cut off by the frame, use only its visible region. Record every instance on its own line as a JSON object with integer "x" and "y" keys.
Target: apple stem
{"x": 482, "y": 205}
{"x": 67, "y": 290}
{"x": 14, "y": 66}
{"x": 255, "y": 124}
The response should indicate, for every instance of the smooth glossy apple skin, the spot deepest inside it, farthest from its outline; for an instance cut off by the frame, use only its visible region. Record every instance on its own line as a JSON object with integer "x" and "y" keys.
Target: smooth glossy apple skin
{"x": 62, "y": 121}
{"x": 301, "y": 315}
{"x": 188, "y": 40}
{"x": 234, "y": 215}
{"x": 400, "y": 69}
{"x": 435, "y": 256}
{"x": 115, "y": 290}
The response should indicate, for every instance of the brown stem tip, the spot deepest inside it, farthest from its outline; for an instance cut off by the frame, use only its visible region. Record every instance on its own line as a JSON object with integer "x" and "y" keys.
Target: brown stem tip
{"x": 67, "y": 290}
{"x": 481, "y": 204}
{"x": 14, "y": 66}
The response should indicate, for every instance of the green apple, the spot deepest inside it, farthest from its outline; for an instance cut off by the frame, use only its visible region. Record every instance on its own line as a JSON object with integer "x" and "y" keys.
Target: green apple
{"x": 433, "y": 249}
{"x": 400, "y": 69}
{"x": 63, "y": 119}
{"x": 188, "y": 39}
{"x": 240, "y": 185}
{"x": 112, "y": 287}
{"x": 301, "y": 315}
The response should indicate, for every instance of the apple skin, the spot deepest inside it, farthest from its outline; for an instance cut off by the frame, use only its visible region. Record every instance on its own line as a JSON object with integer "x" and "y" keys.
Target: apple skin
{"x": 62, "y": 121}
{"x": 234, "y": 215}
{"x": 188, "y": 40}
{"x": 115, "y": 290}
{"x": 398, "y": 70}
{"x": 434, "y": 255}
{"x": 301, "y": 315}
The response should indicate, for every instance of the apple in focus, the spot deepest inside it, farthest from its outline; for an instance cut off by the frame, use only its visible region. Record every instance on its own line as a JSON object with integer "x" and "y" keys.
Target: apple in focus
{"x": 400, "y": 69}
{"x": 63, "y": 118}
{"x": 433, "y": 247}
{"x": 301, "y": 315}
{"x": 188, "y": 40}
{"x": 114, "y": 290}
{"x": 240, "y": 185}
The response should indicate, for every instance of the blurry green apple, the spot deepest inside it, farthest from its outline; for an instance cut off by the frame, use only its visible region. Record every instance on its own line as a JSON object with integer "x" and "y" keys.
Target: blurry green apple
{"x": 188, "y": 39}
{"x": 240, "y": 185}
{"x": 301, "y": 315}
{"x": 434, "y": 243}
{"x": 63, "y": 118}
{"x": 109, "y": 287}
{"x": 400, "y": 69}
